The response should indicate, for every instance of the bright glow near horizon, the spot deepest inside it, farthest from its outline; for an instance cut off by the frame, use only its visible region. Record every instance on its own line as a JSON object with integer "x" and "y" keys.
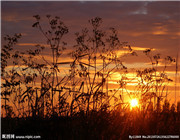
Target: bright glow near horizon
{"x": 134, "y": 103}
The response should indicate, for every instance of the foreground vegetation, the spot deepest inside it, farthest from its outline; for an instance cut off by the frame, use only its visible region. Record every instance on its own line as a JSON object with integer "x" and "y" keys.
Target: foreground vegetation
{"x": 97, "y": 125}
{"x": 73, "y": 99}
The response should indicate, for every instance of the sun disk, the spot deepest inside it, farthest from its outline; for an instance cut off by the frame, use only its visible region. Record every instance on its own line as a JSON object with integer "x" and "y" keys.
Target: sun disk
{"x": 134, "y": 102}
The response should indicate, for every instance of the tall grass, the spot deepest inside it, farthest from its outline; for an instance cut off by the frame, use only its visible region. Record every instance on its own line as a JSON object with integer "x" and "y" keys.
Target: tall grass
{"x": 80, "y": 101}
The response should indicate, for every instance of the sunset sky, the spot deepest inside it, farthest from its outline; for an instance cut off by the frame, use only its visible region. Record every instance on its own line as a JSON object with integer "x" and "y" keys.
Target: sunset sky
{"x": 142, "y": 24}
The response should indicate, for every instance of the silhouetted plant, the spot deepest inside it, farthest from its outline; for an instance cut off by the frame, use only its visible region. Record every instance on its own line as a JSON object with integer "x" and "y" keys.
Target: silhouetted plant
{"x": 9, "y": 76}
{"x": 90, "y": 76}
{"x": 54, "y": 37}
{"x": 79, "y": 103}
{"x": 153, "y": 82}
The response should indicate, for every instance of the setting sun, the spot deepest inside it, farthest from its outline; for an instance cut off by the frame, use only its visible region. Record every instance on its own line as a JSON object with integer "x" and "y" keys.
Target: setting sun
{"x": 134, "y": 102}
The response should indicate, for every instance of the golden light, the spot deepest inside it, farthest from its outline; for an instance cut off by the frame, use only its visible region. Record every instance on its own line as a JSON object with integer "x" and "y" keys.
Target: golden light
{"x": 134, "y": 103}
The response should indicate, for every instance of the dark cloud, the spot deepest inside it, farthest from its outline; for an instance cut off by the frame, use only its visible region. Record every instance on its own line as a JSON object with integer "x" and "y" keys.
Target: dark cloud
{"x": 166, "y": 8}
{"x": 143, "y": 24}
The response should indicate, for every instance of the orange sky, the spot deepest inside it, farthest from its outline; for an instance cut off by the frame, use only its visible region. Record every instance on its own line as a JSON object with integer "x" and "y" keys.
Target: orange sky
{"x": 142, "y": 24}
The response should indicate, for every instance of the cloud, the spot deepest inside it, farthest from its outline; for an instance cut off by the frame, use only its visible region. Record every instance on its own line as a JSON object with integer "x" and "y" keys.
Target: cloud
{"x": 146, "y": 24}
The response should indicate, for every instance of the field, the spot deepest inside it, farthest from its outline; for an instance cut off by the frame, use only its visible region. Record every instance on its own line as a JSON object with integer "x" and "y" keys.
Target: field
{"x": 102, "y": 125}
